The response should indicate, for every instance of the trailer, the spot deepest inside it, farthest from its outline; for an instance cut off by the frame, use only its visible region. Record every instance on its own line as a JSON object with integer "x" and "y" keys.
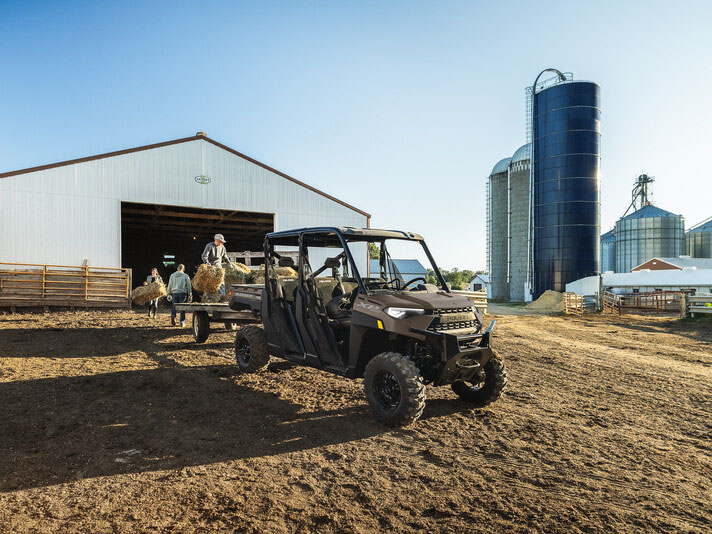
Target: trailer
{"x": 205, "y": 313}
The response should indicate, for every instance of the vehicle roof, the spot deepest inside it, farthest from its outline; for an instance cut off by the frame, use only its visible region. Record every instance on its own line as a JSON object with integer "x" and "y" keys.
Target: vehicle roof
{"x": 349, "y": 233}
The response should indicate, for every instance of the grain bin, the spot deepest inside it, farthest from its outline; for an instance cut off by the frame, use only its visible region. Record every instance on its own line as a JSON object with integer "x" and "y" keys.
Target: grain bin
{"x": 648, "y": 233}
{"x": 608, "y": 251}
{"x": 698, "y": 240}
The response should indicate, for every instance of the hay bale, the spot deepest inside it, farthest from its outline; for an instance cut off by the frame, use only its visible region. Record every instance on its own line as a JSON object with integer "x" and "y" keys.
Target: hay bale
{"x": 236, "y": 273}
{"x": 144, "y": 294}
{"x": 209, "y": 278}
{"x": 258, "y": 276}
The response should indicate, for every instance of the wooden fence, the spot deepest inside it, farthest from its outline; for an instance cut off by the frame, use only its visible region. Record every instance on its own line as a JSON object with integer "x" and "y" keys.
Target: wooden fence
{"x": 478, "y": 298}
{"x": 574, "y": 304}
{"x": 33, "y": 285}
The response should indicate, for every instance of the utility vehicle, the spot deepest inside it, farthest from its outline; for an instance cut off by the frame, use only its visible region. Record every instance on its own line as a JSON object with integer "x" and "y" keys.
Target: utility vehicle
{"x": 339, "y": 317}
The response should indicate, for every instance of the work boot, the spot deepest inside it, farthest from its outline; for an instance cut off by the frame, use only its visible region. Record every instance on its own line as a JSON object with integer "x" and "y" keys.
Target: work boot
{"x": 173, "y": 321}
{"x": 182, "y": 323}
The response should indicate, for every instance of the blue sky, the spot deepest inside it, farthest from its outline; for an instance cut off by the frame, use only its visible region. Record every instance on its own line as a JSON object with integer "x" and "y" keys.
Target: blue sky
{"x": 399, "y": 108}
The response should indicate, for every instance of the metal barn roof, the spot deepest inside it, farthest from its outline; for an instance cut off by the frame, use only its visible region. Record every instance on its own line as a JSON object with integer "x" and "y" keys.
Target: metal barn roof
{"x": 698, "y": 263}
{"x": 198, "y": 136}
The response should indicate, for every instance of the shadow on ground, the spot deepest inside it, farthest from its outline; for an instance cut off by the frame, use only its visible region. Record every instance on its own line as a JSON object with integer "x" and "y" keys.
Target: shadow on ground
{"x": 62, "y": 429}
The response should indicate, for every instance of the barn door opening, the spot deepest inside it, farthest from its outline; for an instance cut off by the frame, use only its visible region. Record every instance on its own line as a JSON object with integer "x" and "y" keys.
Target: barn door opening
{"x": 163, "y": 236}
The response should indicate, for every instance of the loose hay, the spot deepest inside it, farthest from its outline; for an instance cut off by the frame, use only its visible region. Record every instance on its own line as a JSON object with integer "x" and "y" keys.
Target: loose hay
{"x": 236, "y": 273}
{"x": 143, "y": 294}
{"x": 258, "y": 277}
{"x": 213, "y": 298}
{"x": 209, "y": 278}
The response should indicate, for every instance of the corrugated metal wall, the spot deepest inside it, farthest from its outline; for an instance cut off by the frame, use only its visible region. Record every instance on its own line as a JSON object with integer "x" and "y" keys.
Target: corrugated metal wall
{"x": 67, "y": 214}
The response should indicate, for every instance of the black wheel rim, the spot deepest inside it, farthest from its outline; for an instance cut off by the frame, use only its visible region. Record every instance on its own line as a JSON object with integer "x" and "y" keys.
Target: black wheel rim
{"x": 387, "y": 390}
{"x": 243, "y": 351}
{"x": 477, "y": 383}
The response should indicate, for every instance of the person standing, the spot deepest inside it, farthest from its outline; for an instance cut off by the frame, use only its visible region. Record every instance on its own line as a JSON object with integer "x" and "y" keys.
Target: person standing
{"x": 178, "y": 290}
{"x": 215, "y": 253}
{"x": 153, "y": 304}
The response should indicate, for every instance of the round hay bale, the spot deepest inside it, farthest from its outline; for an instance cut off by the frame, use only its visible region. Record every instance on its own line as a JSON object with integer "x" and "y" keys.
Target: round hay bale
{"x": 144, "y": 294}
{"x": 209, "y": 278}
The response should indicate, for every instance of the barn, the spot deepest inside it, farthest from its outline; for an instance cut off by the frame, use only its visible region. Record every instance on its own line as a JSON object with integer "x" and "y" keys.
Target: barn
{"x": 154, "y": 205}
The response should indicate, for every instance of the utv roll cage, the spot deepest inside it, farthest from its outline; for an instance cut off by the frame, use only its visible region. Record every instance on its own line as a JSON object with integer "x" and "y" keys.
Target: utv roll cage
{"x": 341, "y": 236}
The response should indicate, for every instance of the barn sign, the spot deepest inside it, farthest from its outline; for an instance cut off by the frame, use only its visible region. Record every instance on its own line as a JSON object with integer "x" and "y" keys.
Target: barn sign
{"x": 202, "y": 179}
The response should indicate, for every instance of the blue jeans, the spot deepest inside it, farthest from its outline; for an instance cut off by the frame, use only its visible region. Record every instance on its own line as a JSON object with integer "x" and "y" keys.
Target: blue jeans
{"x": 178, "y": 298}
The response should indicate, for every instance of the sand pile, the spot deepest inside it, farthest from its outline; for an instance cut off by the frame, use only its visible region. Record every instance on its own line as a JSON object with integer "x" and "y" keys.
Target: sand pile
{"x": 236, "y": 273}
{"x": 208, "y": 279}
{"x": 152, "y": 291}
{"x": 548, "y": 301}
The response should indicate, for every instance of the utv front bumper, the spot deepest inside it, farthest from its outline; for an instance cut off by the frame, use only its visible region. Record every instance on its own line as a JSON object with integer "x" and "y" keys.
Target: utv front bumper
{"x": 461, "y": 356}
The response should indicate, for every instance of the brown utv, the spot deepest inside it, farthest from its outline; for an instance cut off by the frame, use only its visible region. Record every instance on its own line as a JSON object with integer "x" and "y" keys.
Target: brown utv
{"x": 398, "y": 334}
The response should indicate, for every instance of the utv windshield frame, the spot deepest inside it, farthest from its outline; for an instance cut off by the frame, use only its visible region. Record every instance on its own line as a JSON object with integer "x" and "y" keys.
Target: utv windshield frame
{"x": 341, "y": 236}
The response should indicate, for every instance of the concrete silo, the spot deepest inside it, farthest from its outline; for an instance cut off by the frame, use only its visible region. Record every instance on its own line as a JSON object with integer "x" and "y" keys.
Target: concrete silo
{"x": 647, "y": 233}
{"x": 698, "y": 240}
{"x": 518, "y": 221}
{"x": 497, "y": 229}
{"x": 608, "y": 251}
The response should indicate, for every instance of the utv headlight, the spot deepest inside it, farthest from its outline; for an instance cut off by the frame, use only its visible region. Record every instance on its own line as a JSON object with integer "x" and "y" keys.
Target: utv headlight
{"x": 404, "y": 313}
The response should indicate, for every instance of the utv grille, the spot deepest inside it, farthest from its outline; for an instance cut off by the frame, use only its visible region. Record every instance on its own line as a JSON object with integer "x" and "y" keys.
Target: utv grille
{"x": 437, "y": 326}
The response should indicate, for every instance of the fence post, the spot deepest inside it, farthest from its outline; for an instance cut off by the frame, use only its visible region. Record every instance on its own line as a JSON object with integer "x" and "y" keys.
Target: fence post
{"x": 44, "y": 275}
{"x": 86, "y": 284}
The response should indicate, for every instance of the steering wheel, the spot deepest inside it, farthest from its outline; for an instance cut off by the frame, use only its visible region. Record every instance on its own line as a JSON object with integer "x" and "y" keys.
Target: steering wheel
{"x": 379, "y": 285}
{"x": 413, "y": 280}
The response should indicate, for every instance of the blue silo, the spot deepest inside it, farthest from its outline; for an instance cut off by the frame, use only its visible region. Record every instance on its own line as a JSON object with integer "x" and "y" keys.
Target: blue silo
{"x": 565, "y": 184}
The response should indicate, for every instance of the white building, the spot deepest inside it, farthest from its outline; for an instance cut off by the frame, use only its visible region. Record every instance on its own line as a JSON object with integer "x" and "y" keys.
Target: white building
{"x": 137, "y": 207}
{"x": 697, "y": 280}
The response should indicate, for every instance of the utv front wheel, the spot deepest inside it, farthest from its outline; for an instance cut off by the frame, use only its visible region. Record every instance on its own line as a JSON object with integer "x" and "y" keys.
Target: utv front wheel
{"x": 394, "y": 389}
{"x": 251, "y": 349}
{"x": 487, "y": 386}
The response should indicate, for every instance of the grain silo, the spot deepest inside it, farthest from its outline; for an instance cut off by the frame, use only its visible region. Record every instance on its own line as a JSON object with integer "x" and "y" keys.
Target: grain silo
{"x": 518, "y": 221}
{"x": 647, "y": 233}
{"x": 608, "y": 251}
{"x": 497, "y": 229}
{"x": 565, "y": 120}
{"x": 698, "y": 240}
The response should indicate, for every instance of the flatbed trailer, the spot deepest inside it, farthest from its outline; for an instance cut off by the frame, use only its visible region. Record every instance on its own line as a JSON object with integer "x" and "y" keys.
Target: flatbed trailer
{"x": 205, "y": 313}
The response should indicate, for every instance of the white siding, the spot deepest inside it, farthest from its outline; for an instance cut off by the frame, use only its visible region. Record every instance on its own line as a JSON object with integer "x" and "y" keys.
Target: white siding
{"x": 68, "y": 214}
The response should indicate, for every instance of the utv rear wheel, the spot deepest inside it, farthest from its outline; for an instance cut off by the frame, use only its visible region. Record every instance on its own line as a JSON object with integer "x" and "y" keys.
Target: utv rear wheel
{"x": 487, "y": 387}
{"x": 251, "y": 349}
{"x": 394, "y": 389}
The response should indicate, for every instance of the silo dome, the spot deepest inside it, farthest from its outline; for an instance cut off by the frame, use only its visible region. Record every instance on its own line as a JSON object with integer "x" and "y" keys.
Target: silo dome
{"x": 523, "y": 153}
{"x": 501, "y": 166}
{"x": 648, "y": 233}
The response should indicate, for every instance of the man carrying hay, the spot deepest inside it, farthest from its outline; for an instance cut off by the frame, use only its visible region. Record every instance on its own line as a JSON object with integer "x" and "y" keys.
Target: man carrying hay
{"x": 178, "y": 290}
{"x": 215, "y": 253}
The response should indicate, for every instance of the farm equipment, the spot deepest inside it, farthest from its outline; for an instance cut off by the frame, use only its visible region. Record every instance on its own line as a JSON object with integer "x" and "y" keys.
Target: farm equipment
{"x": 205, "y": 313}
{"x": 398, "y": 335}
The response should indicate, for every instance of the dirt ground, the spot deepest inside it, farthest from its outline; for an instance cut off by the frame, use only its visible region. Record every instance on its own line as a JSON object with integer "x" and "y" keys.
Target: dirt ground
{"x": 112, "y": 423}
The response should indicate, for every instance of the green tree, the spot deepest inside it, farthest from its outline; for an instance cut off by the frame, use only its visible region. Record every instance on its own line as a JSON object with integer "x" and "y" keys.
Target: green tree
{"x": 373, "y": 251}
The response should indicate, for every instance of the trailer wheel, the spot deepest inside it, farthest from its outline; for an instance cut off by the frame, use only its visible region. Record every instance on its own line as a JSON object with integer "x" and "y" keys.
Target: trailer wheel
{"x": 251, "y": 350}
{"x": 231, "y": 326}
{"x": 201, "y": 326}
{"x": 488, "y": 388}
{"x": 394, "y": 389}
